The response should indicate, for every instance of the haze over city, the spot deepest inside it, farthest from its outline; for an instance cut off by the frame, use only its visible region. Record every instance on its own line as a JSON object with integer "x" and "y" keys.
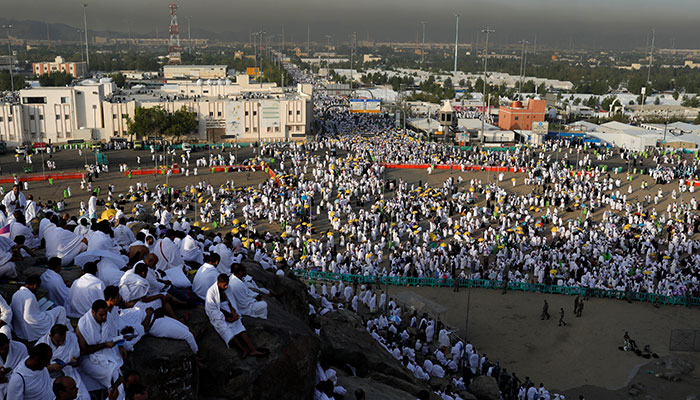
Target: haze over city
{"x": 592, "y": 23}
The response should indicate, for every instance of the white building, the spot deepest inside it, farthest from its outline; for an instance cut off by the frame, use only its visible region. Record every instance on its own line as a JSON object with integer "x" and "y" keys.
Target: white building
{"x": 97, "y": 111}
{"x": 194, "y": 72}
{"x": 76, "y": 69}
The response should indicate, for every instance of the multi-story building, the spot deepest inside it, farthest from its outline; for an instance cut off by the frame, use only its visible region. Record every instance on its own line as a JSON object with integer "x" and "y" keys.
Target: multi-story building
{"x": 76, "y": 69}
{"x": 521, "y": 117}
{"x": 98, "y": 111}
{"x": 194, "y": 72}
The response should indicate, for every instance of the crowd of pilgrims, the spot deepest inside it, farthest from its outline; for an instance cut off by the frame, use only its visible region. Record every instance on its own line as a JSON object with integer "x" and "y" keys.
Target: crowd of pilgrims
{"x": 420, "y": 343}
{"x": 340, "y": 121}
{"x": 332, "y": 208}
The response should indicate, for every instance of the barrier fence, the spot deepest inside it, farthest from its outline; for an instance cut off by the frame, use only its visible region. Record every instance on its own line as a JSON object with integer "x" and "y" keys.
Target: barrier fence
{"x": 488, "y": 284}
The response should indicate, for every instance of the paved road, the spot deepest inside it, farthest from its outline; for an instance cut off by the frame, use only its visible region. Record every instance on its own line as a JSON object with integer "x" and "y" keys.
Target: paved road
{"x": 73, "y": 160}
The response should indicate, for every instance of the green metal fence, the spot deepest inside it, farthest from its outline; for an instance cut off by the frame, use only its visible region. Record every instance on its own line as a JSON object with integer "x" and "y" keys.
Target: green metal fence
{"x": 488, "y": 284}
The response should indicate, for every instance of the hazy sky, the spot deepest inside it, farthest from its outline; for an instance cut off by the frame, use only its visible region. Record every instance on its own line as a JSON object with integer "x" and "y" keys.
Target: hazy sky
{"x": 583, "y": 22}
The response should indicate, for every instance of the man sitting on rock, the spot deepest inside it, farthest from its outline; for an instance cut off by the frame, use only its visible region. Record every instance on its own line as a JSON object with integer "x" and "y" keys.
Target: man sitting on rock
{"x": 222, "y": 314}
{"x": 249, "y": 303}
{"x": 29, "y": 322}
{"x": 84, "y": 291}
{"x": 30, "y": 380}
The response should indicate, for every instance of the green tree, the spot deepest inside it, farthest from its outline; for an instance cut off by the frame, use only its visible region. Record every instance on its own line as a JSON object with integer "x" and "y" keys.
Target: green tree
{"x": 657, "y": 101}
{"x": 148, "y": 121}
{"x": 118, "y": 78}
{"x": 181, "y": 122}
{"x": 697, "y": 119}
{"x": 5, "y": 81}
{"x": 55, "y": 79}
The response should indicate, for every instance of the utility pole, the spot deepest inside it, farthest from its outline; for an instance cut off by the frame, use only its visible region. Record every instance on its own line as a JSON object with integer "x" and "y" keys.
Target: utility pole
{"x": 486, "y": 61}
{"x": 456, "y": 44}
{"x": 87, "y": 48}
{"x": 9, "y": 54}
{"x": 128, "y": 25}
{"x": 262, "y": 58}
{"x": 422, "y": 49}
{"x": 353, "y": 39}
{"x": 189, "y": 34}
{"x": 651, "y": 60}
{"x": 522, "y": 67}
{"x": 80, "y": 38}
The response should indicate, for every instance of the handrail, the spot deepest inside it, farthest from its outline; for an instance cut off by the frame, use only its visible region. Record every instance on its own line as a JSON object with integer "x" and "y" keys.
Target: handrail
{"x": 486, "y": 283}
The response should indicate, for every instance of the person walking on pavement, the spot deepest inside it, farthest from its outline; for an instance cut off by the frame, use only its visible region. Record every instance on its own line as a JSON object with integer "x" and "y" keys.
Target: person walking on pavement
{"x": 579, "y": 310}
{"x": 576, "y": 302}
{"x": 545, "y": 311}
{"x": 561, "y": 317}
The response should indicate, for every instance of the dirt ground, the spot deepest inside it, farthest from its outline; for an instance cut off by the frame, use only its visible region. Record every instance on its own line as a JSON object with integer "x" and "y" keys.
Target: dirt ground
{"x": 506, "y": 327}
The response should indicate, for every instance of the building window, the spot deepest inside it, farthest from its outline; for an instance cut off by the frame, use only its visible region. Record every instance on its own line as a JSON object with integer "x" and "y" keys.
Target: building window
{"x": 58, "y": 117}
{"x": 290, "y": 113}
{"x": 31, "y": 118}
{"x": 67, "y": 117}
{"x": 298, "y": 112}
{"x": 9, "y": 119}
{"x": 211, "y": 113}
{"x": 33, "y": 100}
{"x": 125, "y": 116}
{"x": 114, "y": 116}
{"x": 41, "y": 117}
{"x": 246, "y": 113}
{"x": 64, "y": 100}
{"x": 67, "y": 133}
{"x": 516, "y": 118}
{"x": 255, "y": 113}
{"x": 218, "y": 113}
{"x": 0, "y": 119}
{"x": 247, "y": 130}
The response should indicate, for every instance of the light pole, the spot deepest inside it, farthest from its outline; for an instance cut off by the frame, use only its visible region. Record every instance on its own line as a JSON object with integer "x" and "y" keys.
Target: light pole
{"x": 456, "y": 43}
{"x": 422, "y": 48}
{"x": 9, "y": 54}
{"x": 80, "y": 39}
{"x": 353, "y": 38}
{"x": 486, "y": 61}
{"x": 262, "y": 57}
{"x": 87, "y": 48}
{"x": 522, "y": 67}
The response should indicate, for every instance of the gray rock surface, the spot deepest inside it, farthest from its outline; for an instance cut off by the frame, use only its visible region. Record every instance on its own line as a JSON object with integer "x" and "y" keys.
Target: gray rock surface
{"x": 167, "y": 366}
{"x": 485, "y": 388}
{"x": 288, "y": 371}
{"x": 344, "y": 341}
{"x": 373, "y": 390}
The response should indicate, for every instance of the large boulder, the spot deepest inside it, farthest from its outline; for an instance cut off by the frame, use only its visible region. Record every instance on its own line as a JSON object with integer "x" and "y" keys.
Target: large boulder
{"x": 485, "y": 388}
{"x": 288, "y": 371}
{"x": 373, "y": 390}
{"x": 345, "y": 341}
{"x": 292, "y": 293}
{"x": 167, "y": 366}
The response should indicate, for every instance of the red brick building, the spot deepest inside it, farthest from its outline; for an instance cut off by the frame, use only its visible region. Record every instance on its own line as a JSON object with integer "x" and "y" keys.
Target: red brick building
{"x": 519, "y": 117}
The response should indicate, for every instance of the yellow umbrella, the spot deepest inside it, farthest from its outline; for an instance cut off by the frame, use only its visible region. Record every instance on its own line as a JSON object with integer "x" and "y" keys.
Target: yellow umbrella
{"x": 108, "y": 215}
{"x": 554, "y": 229}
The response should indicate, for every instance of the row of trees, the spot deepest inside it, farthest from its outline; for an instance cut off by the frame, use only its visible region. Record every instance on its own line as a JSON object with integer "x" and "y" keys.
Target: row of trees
{"x": 156, "y": 121}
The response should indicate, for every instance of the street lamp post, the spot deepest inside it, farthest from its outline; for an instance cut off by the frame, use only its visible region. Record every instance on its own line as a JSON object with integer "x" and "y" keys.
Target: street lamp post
{"x": 522, "y": 67}
{"x": 486, "y": 60}
{"x": 87, "y": 48}
{"x": 9, "y": 54}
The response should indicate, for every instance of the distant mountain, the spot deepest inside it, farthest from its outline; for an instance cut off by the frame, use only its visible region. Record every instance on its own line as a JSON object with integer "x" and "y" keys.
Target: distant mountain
{"x": 37, "y": 30}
